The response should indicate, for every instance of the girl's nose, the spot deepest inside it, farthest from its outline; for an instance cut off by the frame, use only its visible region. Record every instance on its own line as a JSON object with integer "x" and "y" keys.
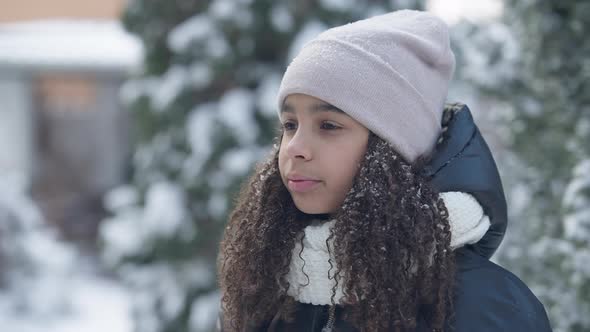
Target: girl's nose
{"x": 300, "y": 146}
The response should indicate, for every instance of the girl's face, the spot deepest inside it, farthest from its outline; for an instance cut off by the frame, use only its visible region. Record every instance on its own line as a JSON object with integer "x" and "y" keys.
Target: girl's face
{"x": 320, "y": 153}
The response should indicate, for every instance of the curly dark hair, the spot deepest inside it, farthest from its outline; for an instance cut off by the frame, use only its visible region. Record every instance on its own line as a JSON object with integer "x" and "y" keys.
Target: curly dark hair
{"x": 391, "y": 247}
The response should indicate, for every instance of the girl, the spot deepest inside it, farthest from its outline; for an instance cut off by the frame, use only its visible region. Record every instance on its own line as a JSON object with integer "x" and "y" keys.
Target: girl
{"x": 359, "y": 220}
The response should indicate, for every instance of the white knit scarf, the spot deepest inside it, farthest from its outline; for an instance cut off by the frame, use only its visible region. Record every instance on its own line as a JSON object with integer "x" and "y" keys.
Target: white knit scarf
{"x": 468, "y": 225}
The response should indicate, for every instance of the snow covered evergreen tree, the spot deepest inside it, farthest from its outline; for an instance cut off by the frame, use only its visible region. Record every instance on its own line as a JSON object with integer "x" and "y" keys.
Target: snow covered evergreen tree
{"x": 204, "y": 110}
{"x": 539, "y": 77}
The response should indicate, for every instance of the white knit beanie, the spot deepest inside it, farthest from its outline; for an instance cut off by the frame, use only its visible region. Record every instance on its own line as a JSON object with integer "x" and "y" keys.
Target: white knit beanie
{"x": 389, "y": 72}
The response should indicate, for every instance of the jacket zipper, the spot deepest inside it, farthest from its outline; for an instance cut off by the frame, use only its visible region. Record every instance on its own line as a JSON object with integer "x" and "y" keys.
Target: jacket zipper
{"x": 313, "y": 321}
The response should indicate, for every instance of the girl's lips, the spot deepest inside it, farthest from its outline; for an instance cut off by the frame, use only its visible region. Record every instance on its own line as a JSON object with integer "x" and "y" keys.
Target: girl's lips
{"x": 302, "y": 185}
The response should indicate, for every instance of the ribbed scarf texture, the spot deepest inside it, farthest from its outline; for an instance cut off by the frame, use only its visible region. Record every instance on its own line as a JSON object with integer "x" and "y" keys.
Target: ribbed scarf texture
{"x": 466, "y": 218}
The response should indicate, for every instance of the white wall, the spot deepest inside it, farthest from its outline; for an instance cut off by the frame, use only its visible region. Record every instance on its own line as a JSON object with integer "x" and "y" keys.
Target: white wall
{"x": 16, "y": 130}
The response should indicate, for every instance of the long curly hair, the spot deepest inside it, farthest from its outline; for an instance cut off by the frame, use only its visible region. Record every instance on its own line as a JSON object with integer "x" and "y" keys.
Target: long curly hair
{"x": 391, "y": 247}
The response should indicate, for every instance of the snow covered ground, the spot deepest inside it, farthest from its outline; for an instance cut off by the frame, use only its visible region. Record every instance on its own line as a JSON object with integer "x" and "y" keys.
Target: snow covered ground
{"x": 93, "y": 304}
{"x": 47, "y": 285}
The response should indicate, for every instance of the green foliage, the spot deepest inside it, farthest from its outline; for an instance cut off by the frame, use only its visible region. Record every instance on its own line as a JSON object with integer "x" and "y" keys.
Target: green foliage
{"x": 550, "y": 130}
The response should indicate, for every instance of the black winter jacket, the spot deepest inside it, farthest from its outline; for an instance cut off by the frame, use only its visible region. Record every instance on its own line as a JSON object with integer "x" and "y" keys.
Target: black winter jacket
{"x": 488, "y": 298}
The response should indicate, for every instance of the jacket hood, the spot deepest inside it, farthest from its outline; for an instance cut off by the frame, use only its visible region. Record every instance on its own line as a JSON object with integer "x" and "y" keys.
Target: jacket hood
{"x": 462, "y": 161}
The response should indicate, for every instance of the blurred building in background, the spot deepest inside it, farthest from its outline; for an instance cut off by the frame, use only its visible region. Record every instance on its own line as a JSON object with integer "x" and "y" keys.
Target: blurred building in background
{"x": 63, "y": 134}
{"x": 30, "y": 10}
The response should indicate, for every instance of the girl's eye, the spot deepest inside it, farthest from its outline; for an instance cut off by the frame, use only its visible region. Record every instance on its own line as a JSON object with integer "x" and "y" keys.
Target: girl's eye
{"x": 287, "y": 126}
{"x": 329, "y": 126}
